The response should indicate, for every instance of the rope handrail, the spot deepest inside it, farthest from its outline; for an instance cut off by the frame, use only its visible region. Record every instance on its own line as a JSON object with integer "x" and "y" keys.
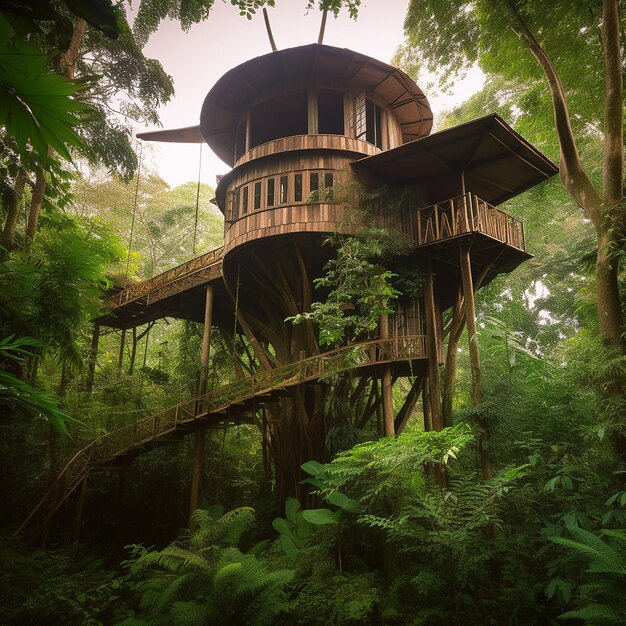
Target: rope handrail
{"x": 106, "y": 446}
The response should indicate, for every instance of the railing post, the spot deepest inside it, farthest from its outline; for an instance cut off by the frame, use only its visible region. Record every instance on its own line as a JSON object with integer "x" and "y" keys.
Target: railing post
{"x": 436, "y": 211}
{"x": 419, "y": 227}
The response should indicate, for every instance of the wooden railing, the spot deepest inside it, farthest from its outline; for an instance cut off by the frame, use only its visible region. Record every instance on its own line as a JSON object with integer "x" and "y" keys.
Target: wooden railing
{"x": 168, "y": 283}
{"x": 106, "y": 447}
{"x": 466, "y": 214}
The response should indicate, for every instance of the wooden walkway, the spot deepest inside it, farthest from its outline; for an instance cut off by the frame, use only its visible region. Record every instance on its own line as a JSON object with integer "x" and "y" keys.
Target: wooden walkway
{"x": 227, "y": 403}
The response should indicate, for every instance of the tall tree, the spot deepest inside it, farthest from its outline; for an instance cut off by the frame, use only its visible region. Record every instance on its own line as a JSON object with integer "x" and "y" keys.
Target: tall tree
{"x": 569, "y": 54}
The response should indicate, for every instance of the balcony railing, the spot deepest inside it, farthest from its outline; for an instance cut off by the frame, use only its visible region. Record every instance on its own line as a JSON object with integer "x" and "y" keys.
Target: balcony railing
{"x": 168, "y": 283}
{"x": 467, "y": 214}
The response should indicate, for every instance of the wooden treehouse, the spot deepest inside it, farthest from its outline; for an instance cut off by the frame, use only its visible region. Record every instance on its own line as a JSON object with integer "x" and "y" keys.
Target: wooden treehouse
{"x": 296, "y": 126}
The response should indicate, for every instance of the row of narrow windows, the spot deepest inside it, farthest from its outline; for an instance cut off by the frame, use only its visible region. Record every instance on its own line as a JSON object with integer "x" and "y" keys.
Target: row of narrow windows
{"x": 291, "y": 188}
{"x": 287, "y": 114}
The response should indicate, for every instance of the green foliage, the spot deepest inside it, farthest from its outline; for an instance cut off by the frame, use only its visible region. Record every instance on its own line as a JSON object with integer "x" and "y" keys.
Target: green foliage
{"x": 205, "y": 579}
{"x": 35, "y": 106}
{"x": 360, "y": 289}
{"x": 57, "y": 586}
{"x": 15, "y": 393}
{"x": 600, "y": 598}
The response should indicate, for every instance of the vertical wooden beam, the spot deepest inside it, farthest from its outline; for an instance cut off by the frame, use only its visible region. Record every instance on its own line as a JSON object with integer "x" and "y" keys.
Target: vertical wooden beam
{"x": 120, "y": 360}
{"x": 388, "y": 421}
{"x": 93, "y": 357}
{"x": 206, "y": 340}
{"x": 196, "y": 473}
{"x": 428, "y": 422}
{"x": 470, "y": 321}
{"x": 200, "y": 434}
{"x": 432, "y": 334}
{"x": 477, "y": 381}
{"x": 320, "y": 38}
{"x": 268, "y": 28}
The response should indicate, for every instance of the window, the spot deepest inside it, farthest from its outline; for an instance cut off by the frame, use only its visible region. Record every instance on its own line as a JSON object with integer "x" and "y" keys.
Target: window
{"x": 270, "y": 192}
{"x": 257, "y": 195}
{"x": 328, "y": 186}
{"x": 297, "y": 188}
{"x": 314, "y": 185}
{"x": 330, "y": 112}
{"x": 234, "y": 205}
{"x": 284, "y": 189}
{"x": 369, "y": 121}
{"x": 244, "y": 200}
{"x": 281, "y": 116}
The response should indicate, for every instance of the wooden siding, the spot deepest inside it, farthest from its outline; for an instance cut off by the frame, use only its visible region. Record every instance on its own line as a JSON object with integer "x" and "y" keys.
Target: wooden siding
{"x": 309, "y": 142}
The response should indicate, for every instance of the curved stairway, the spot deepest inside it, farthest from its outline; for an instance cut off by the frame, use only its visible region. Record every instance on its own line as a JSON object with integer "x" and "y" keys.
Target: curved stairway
{"x": 229, "y": 402}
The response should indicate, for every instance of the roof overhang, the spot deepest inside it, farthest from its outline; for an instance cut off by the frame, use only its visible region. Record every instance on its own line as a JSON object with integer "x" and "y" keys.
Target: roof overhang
{"x": 239, "y": 88}
{"x": 189, "y": 134}
{"x": 497, "y": 162}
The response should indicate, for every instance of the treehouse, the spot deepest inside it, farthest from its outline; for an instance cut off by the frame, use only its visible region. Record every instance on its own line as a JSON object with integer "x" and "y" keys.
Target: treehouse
{"x": 323, "y": 140}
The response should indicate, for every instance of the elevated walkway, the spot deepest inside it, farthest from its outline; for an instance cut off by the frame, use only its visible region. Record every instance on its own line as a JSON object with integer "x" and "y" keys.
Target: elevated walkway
{"x": 231, "y": 403}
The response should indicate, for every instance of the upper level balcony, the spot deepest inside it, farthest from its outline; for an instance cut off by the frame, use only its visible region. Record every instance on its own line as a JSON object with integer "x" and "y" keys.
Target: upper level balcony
{"x": 463, "y": 215}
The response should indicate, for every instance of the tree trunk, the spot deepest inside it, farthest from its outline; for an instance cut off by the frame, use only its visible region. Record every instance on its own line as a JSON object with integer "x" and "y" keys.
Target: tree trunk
{"x": 13, "y": 201}
{"x": 35, "y": 205}
{"x": 604, "y": 213}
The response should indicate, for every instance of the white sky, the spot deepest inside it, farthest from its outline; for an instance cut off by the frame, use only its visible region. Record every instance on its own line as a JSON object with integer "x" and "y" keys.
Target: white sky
{"x": 197, "y": 59}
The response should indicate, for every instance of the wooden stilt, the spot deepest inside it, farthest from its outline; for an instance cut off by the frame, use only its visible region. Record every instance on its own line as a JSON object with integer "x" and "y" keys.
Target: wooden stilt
{"x": 206, "y": 340}
{"x": 470, "y": 320}
{"x": 196, "y": 473}
{"x": 474, "y": 352}
{"x": 200, "y": 434}
{"x": 428, "y": 423}
{"x": 120, "y": 360}
{"x": 388, "y": 425}
{"x": 432, "y": 334}
{"x": 93, "y": 357}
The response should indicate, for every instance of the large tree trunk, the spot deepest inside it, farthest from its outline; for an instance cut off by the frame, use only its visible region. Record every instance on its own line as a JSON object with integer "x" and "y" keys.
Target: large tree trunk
{"x": 13, "y": 201}
{"x": 604, "y": 213}
{"x": 456, "y": 330}
{"x": 35, "y": 205}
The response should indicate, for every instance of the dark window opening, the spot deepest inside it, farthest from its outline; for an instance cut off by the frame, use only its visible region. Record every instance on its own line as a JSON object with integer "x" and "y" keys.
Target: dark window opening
{"x": 284, "y": 189}
{"x": 235, "y": 205}
{"x": 369, "y": 124}
{"x": 330, "y": 112}
{"x": 328, "y": 186}
{"x": 270, "y": 192}
{"x": 281, "y": 116}
{"x": 314, "y": 185}
{"x": 244, "y": 200}
{"x": 240, "y": 140}
{"x": 297, "y": 188}
{"x": 257, "y": 196}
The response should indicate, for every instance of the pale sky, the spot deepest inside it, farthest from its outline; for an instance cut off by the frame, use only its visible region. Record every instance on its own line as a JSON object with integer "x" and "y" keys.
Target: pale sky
{"x": 198, "y": 58}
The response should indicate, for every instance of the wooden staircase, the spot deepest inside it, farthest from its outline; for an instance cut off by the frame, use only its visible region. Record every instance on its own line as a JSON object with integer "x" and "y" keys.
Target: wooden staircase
{"x": 235, "y": 402}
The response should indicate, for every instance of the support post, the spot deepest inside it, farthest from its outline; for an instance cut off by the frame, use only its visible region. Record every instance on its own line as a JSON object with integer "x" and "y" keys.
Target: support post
{"x": 200, "y": 434}
{"x": 120, "y": 360}
{"x": 93, "y": 357}
{"x": 470, "y": 320}
{"x": 206, "y": 340}
{"x": 432, "y": 334}
{"x": 388, "y": 422}
{"x": 474, "y": 353}
{"x": 196, "y": 472}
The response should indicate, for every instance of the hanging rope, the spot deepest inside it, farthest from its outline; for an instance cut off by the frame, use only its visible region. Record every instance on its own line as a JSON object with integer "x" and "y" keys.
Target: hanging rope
{"x": 132, "y": 223}
{"x": 195, "y": 226}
